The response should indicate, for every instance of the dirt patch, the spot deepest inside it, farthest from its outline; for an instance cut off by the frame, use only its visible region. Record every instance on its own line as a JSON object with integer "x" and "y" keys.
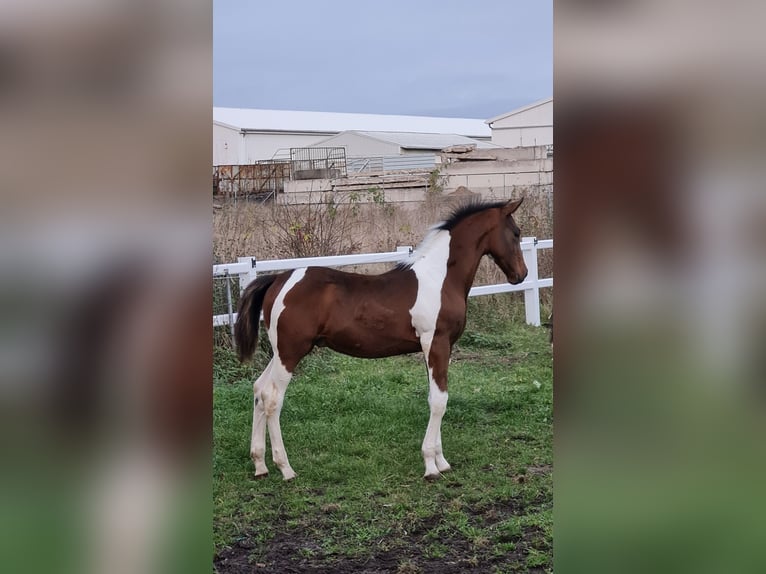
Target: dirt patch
{"x": 295, "y": 552}
{"x": 530, "y": 471}
{"x": 287, "y": 554}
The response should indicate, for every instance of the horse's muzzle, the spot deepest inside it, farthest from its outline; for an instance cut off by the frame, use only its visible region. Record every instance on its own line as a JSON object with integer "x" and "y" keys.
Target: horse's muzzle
{"x": 516, "y": 278}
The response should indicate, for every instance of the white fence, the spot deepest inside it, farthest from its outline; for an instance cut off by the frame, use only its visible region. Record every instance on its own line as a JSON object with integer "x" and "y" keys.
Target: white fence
{"x": 246, "y": 268}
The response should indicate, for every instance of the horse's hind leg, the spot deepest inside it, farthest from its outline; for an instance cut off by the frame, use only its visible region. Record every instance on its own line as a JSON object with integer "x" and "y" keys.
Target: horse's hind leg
{"x": 258, "y": 437}
{"x": 274, "y": 396}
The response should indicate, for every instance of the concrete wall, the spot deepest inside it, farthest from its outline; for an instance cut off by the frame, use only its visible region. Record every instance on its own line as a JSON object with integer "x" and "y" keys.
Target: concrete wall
{"x": 311, "y": 191}
{"x": 497, "y": 173}
{"x": 492, "y": 173}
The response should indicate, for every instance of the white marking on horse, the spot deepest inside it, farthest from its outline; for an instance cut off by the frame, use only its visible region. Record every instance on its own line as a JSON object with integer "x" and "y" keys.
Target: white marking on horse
{"x": 430, "y": 269}
{"x": 270, "y": 394}
{"x": 279, "y": 306}
{"x": 432, "y": 442}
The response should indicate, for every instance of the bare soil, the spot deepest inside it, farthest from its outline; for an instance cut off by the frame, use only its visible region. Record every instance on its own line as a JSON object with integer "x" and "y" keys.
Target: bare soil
{"x": 294, "y": 552}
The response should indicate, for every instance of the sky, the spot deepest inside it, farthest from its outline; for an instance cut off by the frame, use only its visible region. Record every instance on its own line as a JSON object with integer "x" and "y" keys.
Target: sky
{"x": 472, "y": 59}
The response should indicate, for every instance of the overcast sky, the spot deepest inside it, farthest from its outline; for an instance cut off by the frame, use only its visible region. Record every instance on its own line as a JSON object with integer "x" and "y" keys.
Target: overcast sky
{"x": 449, "y": 58}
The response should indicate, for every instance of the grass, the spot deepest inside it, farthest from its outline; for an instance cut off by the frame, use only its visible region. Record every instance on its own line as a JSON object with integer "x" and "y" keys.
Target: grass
{"x": 353, "y": 430}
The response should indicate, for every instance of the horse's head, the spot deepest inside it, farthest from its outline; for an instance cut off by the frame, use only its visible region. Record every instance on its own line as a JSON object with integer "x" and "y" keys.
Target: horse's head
{"x": 505, "y": 244}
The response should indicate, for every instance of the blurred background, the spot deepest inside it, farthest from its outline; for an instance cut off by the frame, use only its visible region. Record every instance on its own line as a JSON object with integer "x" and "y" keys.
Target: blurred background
{"x": 105, "y": 401}
{"x": 660, "y": 286}
{"x": 660, "y": 319}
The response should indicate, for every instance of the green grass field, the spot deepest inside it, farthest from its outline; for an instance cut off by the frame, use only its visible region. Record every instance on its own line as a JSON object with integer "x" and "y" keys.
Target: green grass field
{"x": 353, "y": 430}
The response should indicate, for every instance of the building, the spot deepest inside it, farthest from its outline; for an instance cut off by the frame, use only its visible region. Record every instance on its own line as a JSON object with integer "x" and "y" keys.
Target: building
{"x": 396, "y": 150}
{"x": 531, "y": 125}
{"x": 243, "y": 136}
{"x": 388, "y": 143}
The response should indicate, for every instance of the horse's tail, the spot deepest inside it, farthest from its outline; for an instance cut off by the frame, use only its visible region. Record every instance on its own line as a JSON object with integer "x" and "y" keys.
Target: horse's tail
{"x": 249, "y": 315}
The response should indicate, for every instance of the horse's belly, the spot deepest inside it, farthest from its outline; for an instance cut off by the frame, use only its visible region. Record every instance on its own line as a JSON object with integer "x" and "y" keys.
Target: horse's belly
{"x": 358, "y": 350}
{"x": 371, "y": 344}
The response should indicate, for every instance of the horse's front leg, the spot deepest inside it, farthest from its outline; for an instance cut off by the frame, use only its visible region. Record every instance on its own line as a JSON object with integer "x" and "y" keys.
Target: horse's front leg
{"x": 437, "y": 361}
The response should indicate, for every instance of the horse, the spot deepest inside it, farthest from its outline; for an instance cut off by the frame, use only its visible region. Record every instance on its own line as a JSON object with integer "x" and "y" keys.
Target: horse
{"x": 416, "y": 306}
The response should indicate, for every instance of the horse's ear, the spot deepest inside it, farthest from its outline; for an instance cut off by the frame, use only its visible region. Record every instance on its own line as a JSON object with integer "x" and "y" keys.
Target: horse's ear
{"x": 512, "y": 206}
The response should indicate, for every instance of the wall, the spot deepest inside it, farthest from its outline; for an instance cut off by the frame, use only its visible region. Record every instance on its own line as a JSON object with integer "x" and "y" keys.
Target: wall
{"x": 527, "y": 128}
{"x": 226, "y": 142}
{"x": 260, "y": 146}
{"x": 360, "y": 146}
{"x": 492, "y": 173}
{"x": 541, "y": 115}
{"x": 496, "y": 173}
{"x": 231, "y": 147}
{"x": 402, "y": 187}
{"x": 517, "y": 137}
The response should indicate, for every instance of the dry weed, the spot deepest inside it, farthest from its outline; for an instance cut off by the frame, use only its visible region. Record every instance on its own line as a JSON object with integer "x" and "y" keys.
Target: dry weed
{"x": 331, "y": 227}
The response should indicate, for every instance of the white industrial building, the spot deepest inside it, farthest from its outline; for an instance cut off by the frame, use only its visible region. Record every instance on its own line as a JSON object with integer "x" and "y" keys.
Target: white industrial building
{"x": 531, "y": 125}
{"x": 244, "y": 136}
{"x": 370, "y": 144}
{"x": 395, "y": 150}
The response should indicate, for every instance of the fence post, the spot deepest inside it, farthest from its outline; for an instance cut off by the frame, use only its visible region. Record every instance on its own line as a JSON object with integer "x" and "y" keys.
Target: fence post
{"x": 229, "y": 307}
{"x": 248, "y": 277}
{"x": 405, "y": 249}
{"x": 531, "y": 295}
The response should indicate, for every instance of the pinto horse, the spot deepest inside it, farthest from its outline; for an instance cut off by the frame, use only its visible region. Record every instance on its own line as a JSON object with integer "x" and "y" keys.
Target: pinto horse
{"x": 420, "y": 305}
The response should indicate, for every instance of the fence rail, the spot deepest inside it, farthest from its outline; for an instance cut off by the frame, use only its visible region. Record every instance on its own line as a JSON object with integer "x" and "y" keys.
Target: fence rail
{"x": 247, "y": 268}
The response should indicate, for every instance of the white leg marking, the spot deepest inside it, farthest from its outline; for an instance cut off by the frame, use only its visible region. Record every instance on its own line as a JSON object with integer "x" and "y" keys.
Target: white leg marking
{"x": 431, "y": 269}
{"x": 273, "y": 391}
{"x": 441, "y": 462}
{"x": 279, "y": 381}
{"x": 258, "y": 437}
{"x": 432, "y": 455}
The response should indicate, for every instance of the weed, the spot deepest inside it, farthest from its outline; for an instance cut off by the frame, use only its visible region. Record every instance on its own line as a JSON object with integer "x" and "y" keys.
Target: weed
{"x": 536, "y": 559}
{"x": 435, "y": 182}
{"x": 408, "y": 567}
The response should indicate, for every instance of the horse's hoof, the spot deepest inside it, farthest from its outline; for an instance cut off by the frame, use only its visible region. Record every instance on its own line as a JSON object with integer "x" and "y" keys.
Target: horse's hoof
{"x": 289, "y": 475}
{"x": 432, "y": 477}
{"x": 261, "y": 476}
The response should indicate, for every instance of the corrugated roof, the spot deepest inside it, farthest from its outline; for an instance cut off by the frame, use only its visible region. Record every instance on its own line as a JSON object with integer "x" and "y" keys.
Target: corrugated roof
{"x": 519, "y": 110}
{"x": 410, "y": 140}
{"x": 249, "y": 119}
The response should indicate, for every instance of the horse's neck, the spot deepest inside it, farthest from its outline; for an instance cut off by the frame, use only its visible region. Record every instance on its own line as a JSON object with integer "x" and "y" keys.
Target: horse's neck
{"x": 464, "y": 258}
{"x": 453, "y": 256}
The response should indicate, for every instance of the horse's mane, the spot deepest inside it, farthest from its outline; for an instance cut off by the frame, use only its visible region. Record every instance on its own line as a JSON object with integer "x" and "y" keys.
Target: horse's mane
{"x": 465, "y": 210}
{"x": 457, "y": 215}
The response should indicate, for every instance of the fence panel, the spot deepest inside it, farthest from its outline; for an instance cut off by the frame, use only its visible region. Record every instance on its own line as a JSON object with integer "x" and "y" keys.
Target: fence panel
{"x": 247, "y": 268}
